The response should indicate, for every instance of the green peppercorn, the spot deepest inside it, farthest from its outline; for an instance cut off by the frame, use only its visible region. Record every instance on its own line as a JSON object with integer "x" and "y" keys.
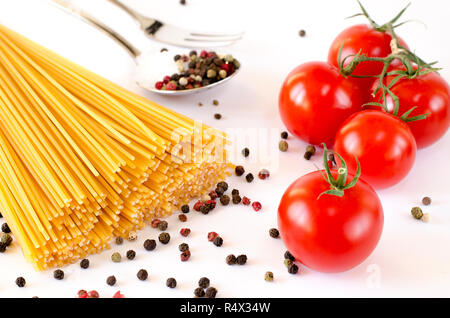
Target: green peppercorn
{"x": 116, "y": 257}
{"x": 6, "y": 239}
{"x": 268, "y": 276}
{"x": 310, "y": 151}
{"x": 211, "y": 73}
{"x": 283, "y": 146}
{"x": 417, "y": 212}
{"x": 222, "y": 73}
{"x": 287, "y": 262}
{"x": 228, "y": 58}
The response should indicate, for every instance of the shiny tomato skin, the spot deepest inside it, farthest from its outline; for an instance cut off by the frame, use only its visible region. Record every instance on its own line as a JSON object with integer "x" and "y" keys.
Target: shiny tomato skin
{"x": 431, "y": 94}
{"x": 315, "y": 99}
{"x": 371, "y": 42}
{"x": 383, "y": 144}
{"x": 329, "y": 234}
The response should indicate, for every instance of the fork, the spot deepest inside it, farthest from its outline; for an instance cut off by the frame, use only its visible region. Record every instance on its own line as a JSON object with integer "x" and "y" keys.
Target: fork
{"x": 170, "y": 34}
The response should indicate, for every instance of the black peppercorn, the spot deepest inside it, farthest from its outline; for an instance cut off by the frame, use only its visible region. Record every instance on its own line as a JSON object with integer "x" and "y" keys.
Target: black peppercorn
{"x": 239, "y": 170}
{"x": 274, "y": 233}
{"x": 150, "y": 245}
{"x": 249, "y": 177}
{"x": 235, "y": 192}
{"x": 223, "y": 185}
{"x": 245, "y": 152}
{"x": 302, "y": 33}
{"x": 284, "y": 135}
{"x": 215, "y": 101}
{"x": 241, "y": 259}
{"x": 84, "y": 263}
{"x": 292, "y": 269}
{"x": 171, "y": 282}
{"x": 310, "y": 151}
{"x": 2, "y": 247}
{"x": 218, "y": 241}
{"x": 236, "y": 199}
{"x": 193, "y": 52}
{"x": 5, "y": 228}
{"x": 288, "y": 255}
{"x": 182, "y": 217}
{"x": 205, "y": 209}
{"x": 211, "y": 292}
{"x": 142, "y": 274}
{"x": 164, "y": 50}
{"x": 183, "y": 247}
{"x": 185, "y": 208}
{"x": 20, "y": 281}
{"x": 111, "y": 280}
{"x": 224, "y": 199}
{"x": 231, "y": 259}
{"x": 164, "y": 237}
{"x": 203, "y": 282}
{"x": 220, "y": 191}
{"x": 162, "y": 226}
{"x": 199, "y": 292}
{"x": 131, "y": 255}
{"x": 119, "y": 240}
{"x": 58, "y": 274}
{"x": 177, "y": 57}
{"x": 217, "y": 116}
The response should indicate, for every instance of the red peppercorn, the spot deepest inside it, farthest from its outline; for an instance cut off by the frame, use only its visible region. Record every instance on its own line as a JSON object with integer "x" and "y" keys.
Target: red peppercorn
{"x": 203, "y": 54}
{"x": 256, "y": 206}
{"x": 211, "y": 204}
{"x": 212, "y": 236}
{"x": 189, "y": 86}
{"x": 263, "y": 174}
{"x": 185, "y": 231}
{"x": 211, "y": 55}
{"x": 245, "y": 201}
{"x": 166, "y": 79}
{"x": 118, "y": 295}
{"x": 93, "y": 294}
{"x": 82, "y": 293}
{"x": 198, "y": 205}
{"x": 225, "y": 67}
{"x": 213, "y": 195}
{"x": 155, "y": 223}
{"x": 171, "y": 86}
{"x": 185, "y": 256}
{"x": 159, "y": 85}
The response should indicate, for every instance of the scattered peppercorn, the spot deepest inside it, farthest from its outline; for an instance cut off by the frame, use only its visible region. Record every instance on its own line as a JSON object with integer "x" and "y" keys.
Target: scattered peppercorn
{"x": 212, "y": 236}
{"x": 225, "y": 199}
{"x": 287, "y": 262}
{"x": 283, "y": 146}
{"x": 171, "y": 282}
{"x": 426, "y": 217}
{"x": 132, "y": 236}
{"x": 183, "y": 247}
{"x": 5, "y": 228}
{"x": 182, "y": 217}
{"x": 219, "y": 191}
{"x": 164, "y": 237}
{"x": 149, "y": 245}
{"x": 20, "y": 281}
{"x": 2, "y": 247}
{"x": 310, "y": 151}
{"x": 84, "y": 263}
{"x": 164, "y": 50}
{"x": 239, "y": 170}
{"x": 426, "y": 201}
{"x": 211, "y": 204}
{"x": 288, "y": 255}
{"x": 92, "y": 294}
{"x": 198, "y": 205}
{"x": 264, "y": 174}
{"x": 185, "y": 256}
{"x": 185, "y": 231}
{"x": 82, "y": 293}
{"x": 302, "y": 33}
{"x": 6, "y": 239}
{"x": 293, "y": 269}
{"x": 155, "y": 222}
{"x": 417, "y": 213}
{"x": 217, "y": 116}
{"x": 116, "y": 257}
{"x": 268, "y": 276}
{"x": 203, "y": 282}
{"x": 245, "y": 152}
{"x": 58, "y": 274}
{"x": 131, "y": 255}
{"x": 249, "y": 177}
{"x": 284, "y": 135}
{"x": 218, "y": 241}
{"x": 213, "y": 195}
{"x": 223, "y": 185}
{"x": 183, "y": 2}
{"x": 231, "y": 259}
{"x": 241, "y": 259}
{"x": 204, "y": 209}
{"x": 274, "y": 233}
{"x": 245, "y": 201}
{"x": 142, "y": 274}
{"x": 199, "y": 292}
{"x": 211, "y": 292}
{"x": 185, "y": 208}
{"x": 162, "y": 226}
{"x": 118, "y": 294}
{"x": 119, "y": 240}
{"x": 236, "y": 199}
{"x": 215, "y": 102}
{"x": 111, "y": 280}
{"x": 256, "y": 206}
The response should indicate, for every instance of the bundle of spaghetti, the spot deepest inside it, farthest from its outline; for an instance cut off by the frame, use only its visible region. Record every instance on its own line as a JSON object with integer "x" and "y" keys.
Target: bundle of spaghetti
{"x": 83, "y": 160}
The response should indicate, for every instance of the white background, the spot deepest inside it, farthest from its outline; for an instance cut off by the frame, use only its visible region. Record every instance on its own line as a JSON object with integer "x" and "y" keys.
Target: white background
{"x": 412, "y": 258}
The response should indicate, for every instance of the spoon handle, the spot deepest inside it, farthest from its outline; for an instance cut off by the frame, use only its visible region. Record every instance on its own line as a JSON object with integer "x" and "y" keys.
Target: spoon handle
{"x": 142, "y": 20}
{"x": 77, "y": 12}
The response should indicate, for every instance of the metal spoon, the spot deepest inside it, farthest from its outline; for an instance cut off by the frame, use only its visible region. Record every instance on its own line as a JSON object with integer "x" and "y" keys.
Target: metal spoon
{"x": 151, "y": 60}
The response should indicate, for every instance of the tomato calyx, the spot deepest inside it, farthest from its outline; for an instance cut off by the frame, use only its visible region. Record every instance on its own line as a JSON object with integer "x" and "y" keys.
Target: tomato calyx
{"x": 338, "y": 185}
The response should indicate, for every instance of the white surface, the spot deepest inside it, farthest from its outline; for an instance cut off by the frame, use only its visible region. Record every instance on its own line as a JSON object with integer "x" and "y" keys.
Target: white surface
{"x": 412, "y": 258}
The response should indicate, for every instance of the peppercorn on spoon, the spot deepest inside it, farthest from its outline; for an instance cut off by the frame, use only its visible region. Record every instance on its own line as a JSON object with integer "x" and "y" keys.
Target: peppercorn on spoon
{"x": 149, "y": 64}
{"x": 170, "y": 34}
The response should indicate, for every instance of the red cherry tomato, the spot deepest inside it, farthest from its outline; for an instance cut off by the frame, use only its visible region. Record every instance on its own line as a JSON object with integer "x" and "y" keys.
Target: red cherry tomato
{"x": 373, "y": 43}
{"x": 315, "y": 99}
{"x": 330, "y": 233}
{"x": 431, "y": 94}
{"x": 383, "y": 144}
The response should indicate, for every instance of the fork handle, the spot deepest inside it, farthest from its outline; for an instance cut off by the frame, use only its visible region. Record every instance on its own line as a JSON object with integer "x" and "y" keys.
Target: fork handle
{"x": 77, "y": 12}
{"x": 142, "y": 20}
